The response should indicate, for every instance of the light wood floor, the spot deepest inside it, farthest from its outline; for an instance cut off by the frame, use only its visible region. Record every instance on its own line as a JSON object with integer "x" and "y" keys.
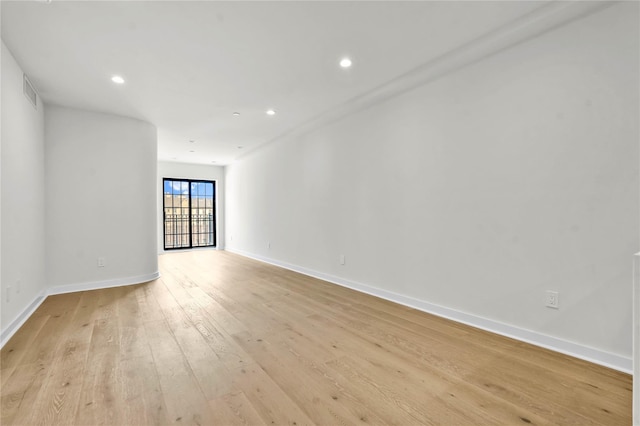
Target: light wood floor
{"x": 222, "y": 340}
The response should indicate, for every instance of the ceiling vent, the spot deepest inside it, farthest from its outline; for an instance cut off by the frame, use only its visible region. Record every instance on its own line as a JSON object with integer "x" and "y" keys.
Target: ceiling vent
{"x": 29, "y": 91}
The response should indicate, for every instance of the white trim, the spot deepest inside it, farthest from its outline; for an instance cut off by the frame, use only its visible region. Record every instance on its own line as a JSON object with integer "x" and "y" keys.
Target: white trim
{"x": 566, "y": 347}
{"x": 15, "y": 325}
{"x": 96, "y": 285}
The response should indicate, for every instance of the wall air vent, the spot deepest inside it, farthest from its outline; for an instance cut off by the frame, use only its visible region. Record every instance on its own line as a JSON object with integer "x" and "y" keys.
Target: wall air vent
{"x": 29, "y": 91}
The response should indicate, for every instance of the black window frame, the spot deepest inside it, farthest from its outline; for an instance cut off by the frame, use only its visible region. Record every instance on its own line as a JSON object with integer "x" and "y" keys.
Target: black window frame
{"x": 190, "y": 219}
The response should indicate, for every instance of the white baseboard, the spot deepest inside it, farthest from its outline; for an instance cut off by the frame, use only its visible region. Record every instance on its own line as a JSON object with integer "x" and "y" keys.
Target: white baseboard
{"x": 96, "y": 285}
{"x": 15, "y": 325}
{"x": 576, "y": 350}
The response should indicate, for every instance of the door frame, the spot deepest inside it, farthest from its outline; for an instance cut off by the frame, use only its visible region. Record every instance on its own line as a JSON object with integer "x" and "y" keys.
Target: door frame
{"x": 214, "y": 208}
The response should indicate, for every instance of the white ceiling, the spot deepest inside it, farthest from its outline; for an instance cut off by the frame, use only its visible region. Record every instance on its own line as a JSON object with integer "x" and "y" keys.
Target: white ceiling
{"x": 189, "y": 65}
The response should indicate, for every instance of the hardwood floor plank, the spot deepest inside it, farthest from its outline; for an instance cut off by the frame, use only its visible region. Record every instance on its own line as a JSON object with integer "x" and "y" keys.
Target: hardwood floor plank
{"x": 247, "y": 312}
{"x": 140, "y": 397}
{"x": 25, "y": 381}
{"x": 222, "y": 339}
{"x": 448, "y": 373}
{"x": 193, "y": 316}
{"x": 325, "y": 397}
{"x": 208, "y": 369}
{"x": 150, "y": 310}
{"x": 220, "y": 342}
{"x": 99, "y": 397}
{"x": 183, "y": 397}
{"x": 272, "y": 404}
{"x": 47, "y": 340}
{"x": 138, "y": 385}
{"x": 235, "y": 409}
{"x": 304, "y": 357}
{"x": 58, "y": 397}
{"x": 40, "y": 359}
{"x": 11, "y": 356}
{"x": 217, "y": 314}
{"x": 13, "y": 351}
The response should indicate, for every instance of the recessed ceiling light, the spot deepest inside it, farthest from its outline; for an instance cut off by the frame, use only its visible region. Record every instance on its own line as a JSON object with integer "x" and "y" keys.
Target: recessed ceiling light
{"x": 191, "y": 141}
{"x": 117, "y": 79}
{"x": 271, "y": 112}
{"x": 191, "y": 151}
{"x": 239, "y": 147}
{"x": 236, "y": 114}
{"x": 345, "y": 63}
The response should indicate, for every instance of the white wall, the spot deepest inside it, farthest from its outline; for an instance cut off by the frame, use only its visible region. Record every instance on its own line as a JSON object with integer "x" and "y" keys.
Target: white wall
{"x": 22, "y": 180}
{"x": 168, "y": 169}
{"x": 476, "y": 192}
{"x": 101, "y": 198}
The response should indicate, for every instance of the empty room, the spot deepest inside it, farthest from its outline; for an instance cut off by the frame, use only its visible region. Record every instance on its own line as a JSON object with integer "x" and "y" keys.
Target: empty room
{"x": 319, "y": 212}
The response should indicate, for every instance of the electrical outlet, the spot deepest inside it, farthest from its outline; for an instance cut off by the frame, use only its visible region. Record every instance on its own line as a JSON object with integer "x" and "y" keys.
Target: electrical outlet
{"x": 18, "y": 285}
{"x": 552, "y": 300}
{"x": 8, "y": 295}
{"x": 269, "y": 245}
{"x": 102, "y": 262}
{"x": 342, "y": 259}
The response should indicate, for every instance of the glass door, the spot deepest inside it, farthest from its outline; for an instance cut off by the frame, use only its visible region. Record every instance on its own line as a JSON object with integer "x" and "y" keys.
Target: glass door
{"x": 189, "y": 213}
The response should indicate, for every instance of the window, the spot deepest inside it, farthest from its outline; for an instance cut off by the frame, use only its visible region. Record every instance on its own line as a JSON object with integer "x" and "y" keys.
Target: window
{"x": 189, "y": 208}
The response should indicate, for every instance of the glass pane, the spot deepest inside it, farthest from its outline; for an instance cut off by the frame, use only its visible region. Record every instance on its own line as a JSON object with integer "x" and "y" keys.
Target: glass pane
{"x": 184, "y": 226}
